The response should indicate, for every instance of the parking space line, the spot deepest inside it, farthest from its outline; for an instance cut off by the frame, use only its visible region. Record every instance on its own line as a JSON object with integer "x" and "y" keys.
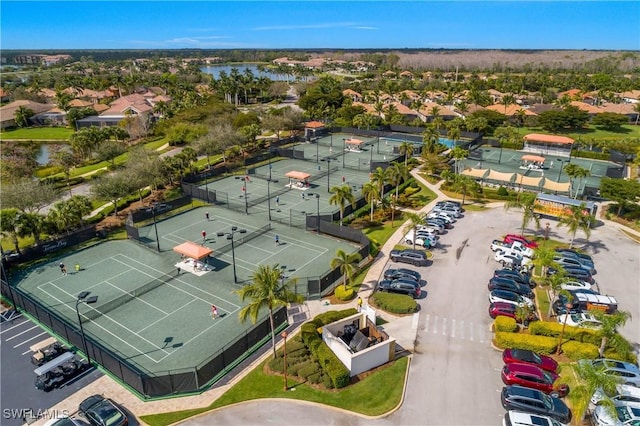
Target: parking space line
{"x": 28, "y": 340}
{"x": 453, "y": 328}
{"x": 471, "y": 331}
{"x": 17, "y": 325}
{"x": 444, "y": 326}
{"x": 462, "y": 329}
{"x": 435, "y": 324}
{"x": 426, "y": 323}
{"x": 13, "y": 337}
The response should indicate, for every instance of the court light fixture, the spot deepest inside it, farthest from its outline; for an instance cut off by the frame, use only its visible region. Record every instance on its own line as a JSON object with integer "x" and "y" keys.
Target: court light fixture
{"x": 230, "y": 235}
{"x": 83, "y": 297}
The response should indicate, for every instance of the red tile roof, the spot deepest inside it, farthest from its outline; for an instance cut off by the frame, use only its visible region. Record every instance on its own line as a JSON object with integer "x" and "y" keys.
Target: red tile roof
{"x": 536, "y": 137}
{"x": 314, "y": 125}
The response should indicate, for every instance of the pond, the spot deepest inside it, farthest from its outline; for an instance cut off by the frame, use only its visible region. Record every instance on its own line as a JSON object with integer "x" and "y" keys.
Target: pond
{"x": 215, "y": 70}
{"x": 44, "y": 154}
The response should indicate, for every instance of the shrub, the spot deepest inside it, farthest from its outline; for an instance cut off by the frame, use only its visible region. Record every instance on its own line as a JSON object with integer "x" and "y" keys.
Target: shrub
{"x": 503, "y": 191}
{"x": 315, "y": 378}
{"x": 326, "y": 382}
{"x": 332, "y": 366}
{"x": 344, "y": 293}
{"x": 554, "y": 329}
{"x": 333, "y": 316}
{"x": 395, "y": 303}
{"x": 277, "y": 364}
{"x": 307, "y": 369}
{"x": 502, "y": 323}
{"x": 540, "y": 344}
{"x": 576, "y": 350}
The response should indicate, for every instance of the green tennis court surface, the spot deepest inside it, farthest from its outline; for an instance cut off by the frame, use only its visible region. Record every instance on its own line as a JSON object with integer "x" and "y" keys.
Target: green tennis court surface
{"x": 158, "y": 319}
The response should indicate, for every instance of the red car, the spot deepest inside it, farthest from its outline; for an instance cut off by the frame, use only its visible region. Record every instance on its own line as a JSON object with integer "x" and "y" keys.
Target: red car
{"x": 530, "y": 376}
{"x": 508, "y": 310}
{"x": 524, "y": 356}
{"x": 509, "y": 238}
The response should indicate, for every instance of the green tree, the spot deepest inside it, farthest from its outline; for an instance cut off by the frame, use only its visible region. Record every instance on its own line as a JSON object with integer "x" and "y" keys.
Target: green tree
{"x": 621, "y": 191}
{"x": 340, "y": 196}
{"x": 9, "y": 224}
{"x": 465, "y": 185}
{"x": 592, "y": 379}
{"x": 577, "y": 218}
{"x": 610, "y": 120}
{"x": 31, "y": 224}
{"x": 28, "y": 195}
{"x": 379, "y": 178}
{"x": 112, "y": 188}
{"x": 434, "y": 164}
{"x": 370, "y": 194}
{"x": 525, "y": 202}
{"x": 458, "y": 154}
{"x": 22, "y": 116}
{"x": 109, "y": 150}
{"x": 347, "y": 263}
{"x": 609, "y": 327}
{"x": 406, "y": 149}
{"x": 415, "y": 221}
{"x": 575, "y": 171}
{"x": 430, "y": 140}
{"x": 268, "y": 290}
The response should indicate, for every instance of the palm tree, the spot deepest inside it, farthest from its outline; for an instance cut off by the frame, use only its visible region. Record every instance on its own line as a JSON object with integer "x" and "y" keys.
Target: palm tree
{"x": 414, "y": 222}
{"x": 396, "y": 174}
{"x": 454, "y": 134}
{"x": 406, "y": 148}
{"x": 610, "y": 325}
{"x": 370, "y": 194}
{"x": 465, "y": 184}
{"x": 9, "y": 224}
{"x": 379, "y": 178}
{"x": 458, "y": 154}
{"x": 269, "y": 290}
{"x": 592, "y": 379}
{"x": 340, "y": 196}
{"x": 526, "y": 202}
{"x": 430, "y": 139}
{"x": 347, "y": 263}
{"x": 22, "y": 116}
{"x": 577, "y": 219}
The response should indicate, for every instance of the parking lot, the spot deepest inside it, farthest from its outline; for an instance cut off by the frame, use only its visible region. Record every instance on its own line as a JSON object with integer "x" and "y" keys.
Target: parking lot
{"x": 19, "y": 395}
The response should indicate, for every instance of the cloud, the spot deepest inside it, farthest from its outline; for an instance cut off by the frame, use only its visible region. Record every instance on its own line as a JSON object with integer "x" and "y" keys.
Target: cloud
{"x": 191, "y": 42}
{"x": 307, "y": 26}
{"x": 365, "y": 28}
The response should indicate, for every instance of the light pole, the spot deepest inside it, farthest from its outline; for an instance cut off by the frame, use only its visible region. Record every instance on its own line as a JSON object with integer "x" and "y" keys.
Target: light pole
{"x": 561, "y": 161}
{"x": 234, "y": 230}
{"x": 83, "y": 298}
{"x": 328, "y": 160}
{"x": 269, "y": 195}
{"x": 564, "y": 325}
{"x": 318, "y": 211}
{"x": 370, "y": 155}
{"x": 284, "y": 350}
{"x": 155, "y": 226}
{"x": 317, "y": 150}
{"x": 245, "y": 180}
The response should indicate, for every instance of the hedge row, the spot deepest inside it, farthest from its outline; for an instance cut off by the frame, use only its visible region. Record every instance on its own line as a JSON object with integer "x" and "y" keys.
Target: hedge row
{"x": 539, "y": 344}
{"x": 554, "y": 329}
{"x": 576, "y": 350}
{"x": 344, "y": 293}
{"x": 502, "y": 323}
{"x": 395, "y": 303}
{"x": 329, "y": 362}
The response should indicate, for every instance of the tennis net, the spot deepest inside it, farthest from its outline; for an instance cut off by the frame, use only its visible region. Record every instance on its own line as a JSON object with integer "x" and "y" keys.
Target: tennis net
{"x": 239, "y": 239}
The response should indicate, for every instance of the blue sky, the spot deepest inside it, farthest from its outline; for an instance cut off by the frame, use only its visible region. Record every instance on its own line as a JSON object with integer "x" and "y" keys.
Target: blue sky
{"x": 320, "y": 24}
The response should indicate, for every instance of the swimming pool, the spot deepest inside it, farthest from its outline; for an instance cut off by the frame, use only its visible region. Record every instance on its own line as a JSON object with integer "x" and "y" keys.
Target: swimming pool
{"x": 444, "y": 141}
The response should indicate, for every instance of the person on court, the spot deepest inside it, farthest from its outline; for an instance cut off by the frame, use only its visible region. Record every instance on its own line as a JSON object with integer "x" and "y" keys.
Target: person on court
{"x": 204, "y": 236}
{"x": 214, "y": 312}
{"x": 277, "y": 240}
{"x": 206, "y": 215}
{"x": 63, "y": 268}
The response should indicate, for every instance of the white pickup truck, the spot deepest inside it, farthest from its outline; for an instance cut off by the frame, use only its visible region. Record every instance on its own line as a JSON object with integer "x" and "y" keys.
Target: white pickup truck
{"x": 514, "y": 248}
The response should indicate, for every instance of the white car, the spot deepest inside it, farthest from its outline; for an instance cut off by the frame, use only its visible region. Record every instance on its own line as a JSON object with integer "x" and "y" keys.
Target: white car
{"x": 428, "y": 230}
{"x": 440, "y": 215}
{"x": 580, "y": 320}
{"x": 575, "y": 285}
{"x": 626, "y": 415}
{"x": 510, "y": 297}
{"x": 518, "y": 418}
{"x": 623, "y": 394}
{"x": 511, "y": 260}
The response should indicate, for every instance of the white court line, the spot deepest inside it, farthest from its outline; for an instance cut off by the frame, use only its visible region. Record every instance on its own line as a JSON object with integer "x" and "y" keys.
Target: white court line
{"x": 170, "y": 313}
{"x": 40, "y": 287}
{"x": 175, "y": 287}
{"x": 14, "y": 326}
{"x": 453, "y": 328}
{"x": 19, "y": 334}
{"x": 444, "y": 326}
{"x": 28, "y": 340}
{"x": 141, "y": 300}
{"x": 115, "y": 335}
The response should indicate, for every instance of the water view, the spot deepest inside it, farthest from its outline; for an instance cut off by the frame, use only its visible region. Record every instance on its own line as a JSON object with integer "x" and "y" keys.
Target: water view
{"x": 215, "y": 70}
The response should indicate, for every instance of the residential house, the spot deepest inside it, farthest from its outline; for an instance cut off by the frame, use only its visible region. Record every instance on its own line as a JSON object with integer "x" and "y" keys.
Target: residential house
{"x": 352, "y": 94}
{"x": 627, "y": 109}
{"x": 8, "y": 111}
{"x": 4, "y": 95}
{"x": 631, "y": 97}
{"x": 443, "y": 111}
{"x": 407, "y": 75}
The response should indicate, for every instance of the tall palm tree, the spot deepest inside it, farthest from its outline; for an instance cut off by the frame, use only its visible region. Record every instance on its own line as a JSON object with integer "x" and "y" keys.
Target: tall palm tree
{"x": 347, "y": 263}
{"x": 9, "y": 225}
{"x": 406, "y": 148}
{"x": 340, "y": 196}
{"x": 526, "y": 202}
{"x": 370, "y": 194}
{"x": 396, "y": 174}
{"x": 415, "y": 221}
{"x": 577, "y": 219}
{"x": 379, "y": 178}
{"x": 430, "y": 139}
{"x": 592, "y": 379}
{"x": 458, "y": 154}
{"x": 465, "y": 185}
{"x": 610, "y": 325}
{"x": 268, "y": 289}
{"x": 454, "y": 134}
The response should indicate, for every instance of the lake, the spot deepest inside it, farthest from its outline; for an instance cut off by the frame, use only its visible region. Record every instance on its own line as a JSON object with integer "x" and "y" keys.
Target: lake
{"x": 215, "y": 70}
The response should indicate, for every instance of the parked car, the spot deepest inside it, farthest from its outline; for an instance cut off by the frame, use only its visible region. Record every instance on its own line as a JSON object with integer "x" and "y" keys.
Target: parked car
{"x": 448, "y": 210}
{"x": 562, "y": 305}
{"x": 628, "y": 373}
{"x": 392, "y": 274}
{"x": 421, "y": 239}
{"x": 573, "y": 252}
{"x": 583, "y": 320}
{"x": 101, "y": 411}
{"x": 413, "y": 257}
{"x": 499, "y": 245}
{"x": 452, "y": 203}
{"x": 514, "y": 397}
{"x": 501, "y": 283}
{"x": 509, "y": 238}
{"x": 573, "y": 263}
{"x": 575, "y": 285}
{"x": 622, "y": 394}
{"x": 516, "y": 276}
{"x": 519, "y": 418}
{"x": 509, "y": 310}
{"x": 440, "y": 215}
{"x": 530, "y": 357}
{"x": 534, "y": 377}
{"x": 573, "y": 255}
{"x": 626, "y": 414}
{"x": 64, "y": 420}
{"x": 408, "y": 287}
{"x": 509, "y": 297}
{"x": 512, "y": 261}
{"x": 580, "y": 274}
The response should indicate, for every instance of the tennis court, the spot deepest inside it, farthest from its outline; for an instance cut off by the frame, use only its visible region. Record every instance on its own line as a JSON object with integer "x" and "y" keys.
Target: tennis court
{"x": 159, "y": 319}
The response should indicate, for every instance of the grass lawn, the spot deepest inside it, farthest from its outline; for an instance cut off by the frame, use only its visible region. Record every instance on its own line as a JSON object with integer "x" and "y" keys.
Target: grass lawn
{"x": 374, "y": 395}
{"x": 424, "y": 196}
{"x": 380, "y": 234}
{"x": 34, "y": 133}
{"x": 591, "y": 132}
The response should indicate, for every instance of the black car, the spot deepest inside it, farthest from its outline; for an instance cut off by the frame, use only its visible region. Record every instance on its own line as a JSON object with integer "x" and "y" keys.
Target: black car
{"x": 516, "y": 276}
{"x": 559, "y": 306}
{"x": 393, "y": 274}
{"x": 576, "y": 253}
{"x": 519, "y": 398}
{"x": 408, "y": 287}
{"x": 101, "y": 411}
{"x": 577, "y": 273}
{"x": 503, "y": 283}
{"x": 413, "y": 257}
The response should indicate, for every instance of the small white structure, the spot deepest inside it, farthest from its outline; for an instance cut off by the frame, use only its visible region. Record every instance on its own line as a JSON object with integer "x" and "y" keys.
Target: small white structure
{"x": 358, "y": 343}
